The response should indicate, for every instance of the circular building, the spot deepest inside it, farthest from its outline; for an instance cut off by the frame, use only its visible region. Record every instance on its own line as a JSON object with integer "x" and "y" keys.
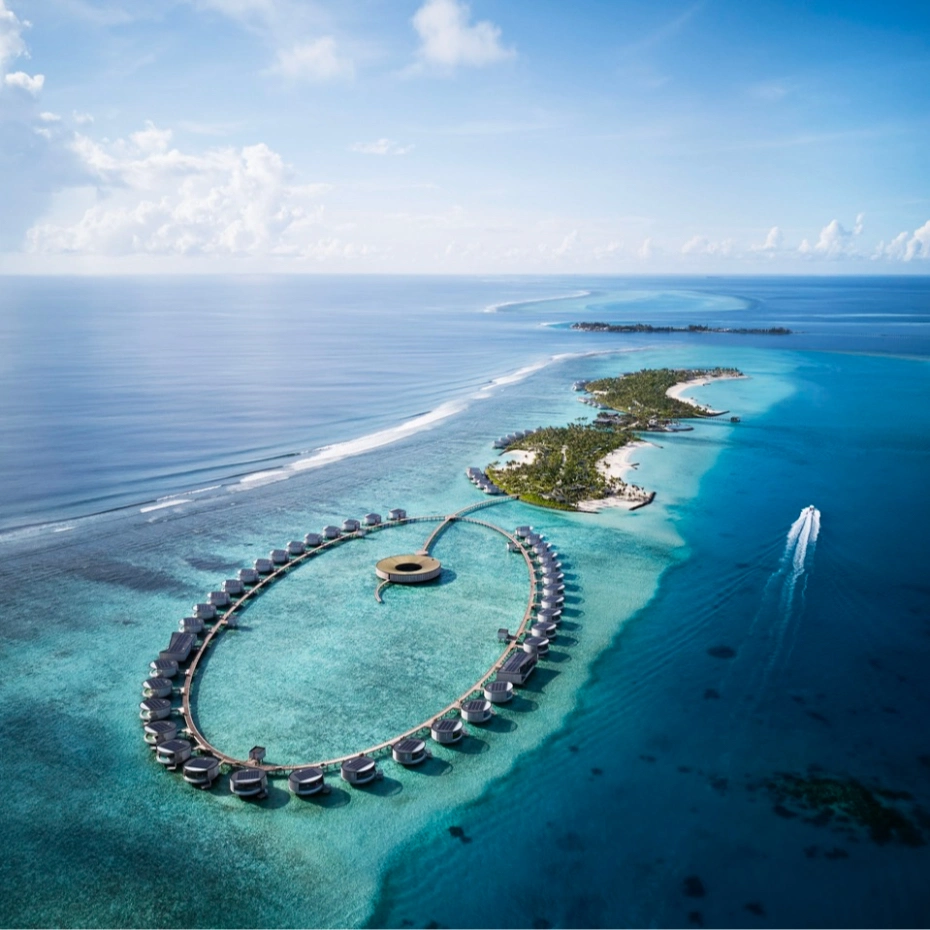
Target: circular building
{"x": 408, "y": 569}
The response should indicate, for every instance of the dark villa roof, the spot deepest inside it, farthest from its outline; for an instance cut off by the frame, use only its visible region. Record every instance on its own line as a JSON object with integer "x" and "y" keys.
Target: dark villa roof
{"x": 477, "y": 704}
{"x": 160, "y": 726}
{"x": 174, "y": 745}
{"x": 247, "y": 775}
{"x": 517, "y": 661}
{"x": 410, "y": 745}
{"x": 181, "y": 642}
{"x": 447, "y": 724}
{"x": 201, "y": 762}
{"x": 358, "y": 764}
{"x": 311, "y": 773}
{"x": 497, "y": 686}
{"x": 155, "y": 703}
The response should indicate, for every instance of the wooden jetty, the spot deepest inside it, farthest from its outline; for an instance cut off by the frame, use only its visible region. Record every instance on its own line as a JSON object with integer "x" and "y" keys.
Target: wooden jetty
{"x": 227, "y": 619}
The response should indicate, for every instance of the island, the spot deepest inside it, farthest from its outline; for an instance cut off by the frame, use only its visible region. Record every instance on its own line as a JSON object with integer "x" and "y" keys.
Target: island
{"x": 693, "y": 328}
{"x": 582, "y": 466}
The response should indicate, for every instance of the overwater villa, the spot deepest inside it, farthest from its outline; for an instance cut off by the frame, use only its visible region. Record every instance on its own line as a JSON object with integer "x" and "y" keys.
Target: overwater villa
{"x": 201, "y": 771}
{"x": 154, "y": 709}
{"x": 158, "y": 731}
{"x": 536, "y": 645}
{"x": 360, "y": 770}
{"x": 447, "y": 730}
{"x": 164, "y": 668}
{"x": 179, "y": 647}
{"x": 307, "y": 781}
{"x": 249, "y": 783}
{"x": 517, "y": 668}
{"x": 410, "y": 751}
{"x": 544, "y": 628}
{"x": 157, "y": 687}
{"x": 477, "y": 710}
{"x": 191, "y": 625}
{"x": 173, "y": 752}
{"x": 498, "y": 692}
{"x": 205, "y": 611}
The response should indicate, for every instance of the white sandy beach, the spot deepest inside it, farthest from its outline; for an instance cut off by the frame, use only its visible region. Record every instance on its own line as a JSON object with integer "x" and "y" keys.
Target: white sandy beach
{"x": 677, "y": 390}
{"x": 520, "y": 456}
{"x": 615, "y": 465}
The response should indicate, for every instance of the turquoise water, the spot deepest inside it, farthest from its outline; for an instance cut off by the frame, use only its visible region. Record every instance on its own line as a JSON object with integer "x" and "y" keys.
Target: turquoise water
{"x": 634, "y": 760}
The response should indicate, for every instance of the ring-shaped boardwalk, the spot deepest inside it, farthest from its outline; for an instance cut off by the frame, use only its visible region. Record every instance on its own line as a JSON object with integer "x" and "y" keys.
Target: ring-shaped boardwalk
{"x": 223, "y": 623}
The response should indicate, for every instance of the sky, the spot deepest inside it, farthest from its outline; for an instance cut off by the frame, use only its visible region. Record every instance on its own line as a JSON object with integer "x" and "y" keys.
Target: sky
{"x": 452, "y": 137}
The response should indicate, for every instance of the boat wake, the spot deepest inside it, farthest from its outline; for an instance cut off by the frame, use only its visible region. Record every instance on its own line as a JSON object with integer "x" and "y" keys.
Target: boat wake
{"x": 786, "y": 590}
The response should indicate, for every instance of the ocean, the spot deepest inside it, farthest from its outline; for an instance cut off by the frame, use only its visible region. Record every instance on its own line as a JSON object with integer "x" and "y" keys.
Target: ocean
{"x": 728, "y": 663}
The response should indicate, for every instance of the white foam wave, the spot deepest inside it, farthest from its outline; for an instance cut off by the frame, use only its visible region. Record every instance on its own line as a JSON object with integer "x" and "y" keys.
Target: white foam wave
{"x": 162, "y": 504}
{"x": 496, "y": 308}
{"x": 341, "y": 450}
{"x": 519, "y": 375}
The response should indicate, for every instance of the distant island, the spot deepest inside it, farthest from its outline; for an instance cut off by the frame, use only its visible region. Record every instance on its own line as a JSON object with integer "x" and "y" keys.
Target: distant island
{"x": 694, "y": 328}
{"x": 581, "y": 466}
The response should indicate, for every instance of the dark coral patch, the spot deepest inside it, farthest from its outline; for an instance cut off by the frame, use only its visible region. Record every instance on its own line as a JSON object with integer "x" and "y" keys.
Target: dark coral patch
{"x": 721, "y": 652}
{"x": 693, "y": 887}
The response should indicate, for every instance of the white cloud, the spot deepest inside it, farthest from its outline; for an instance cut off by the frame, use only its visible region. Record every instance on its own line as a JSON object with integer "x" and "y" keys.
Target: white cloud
{"x": 380, "y": 147}
{"x": 316, "y": 60}
{"x": 29, "y": 83}
{"x": 774, "y": 240}
{"x": 82, "y": 119}
{"x": 12, "y": 45}
{"x": 647, "y": 249}
{"x": 701, "y": 245}
{"x": 614, "y": 247}
{"x": 835, "y": 241}
{"x": 449, "y": 39}
{"x": 919, "y": 244}
{"x": 49, "y": 117}
{"x": 567, "y": 244}
{"x": 905, "y": 247}
{"x": 159, "y": 200}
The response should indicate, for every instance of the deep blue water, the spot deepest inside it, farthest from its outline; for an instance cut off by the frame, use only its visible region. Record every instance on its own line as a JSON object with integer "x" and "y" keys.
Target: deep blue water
{"x": 157, "y": 434}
